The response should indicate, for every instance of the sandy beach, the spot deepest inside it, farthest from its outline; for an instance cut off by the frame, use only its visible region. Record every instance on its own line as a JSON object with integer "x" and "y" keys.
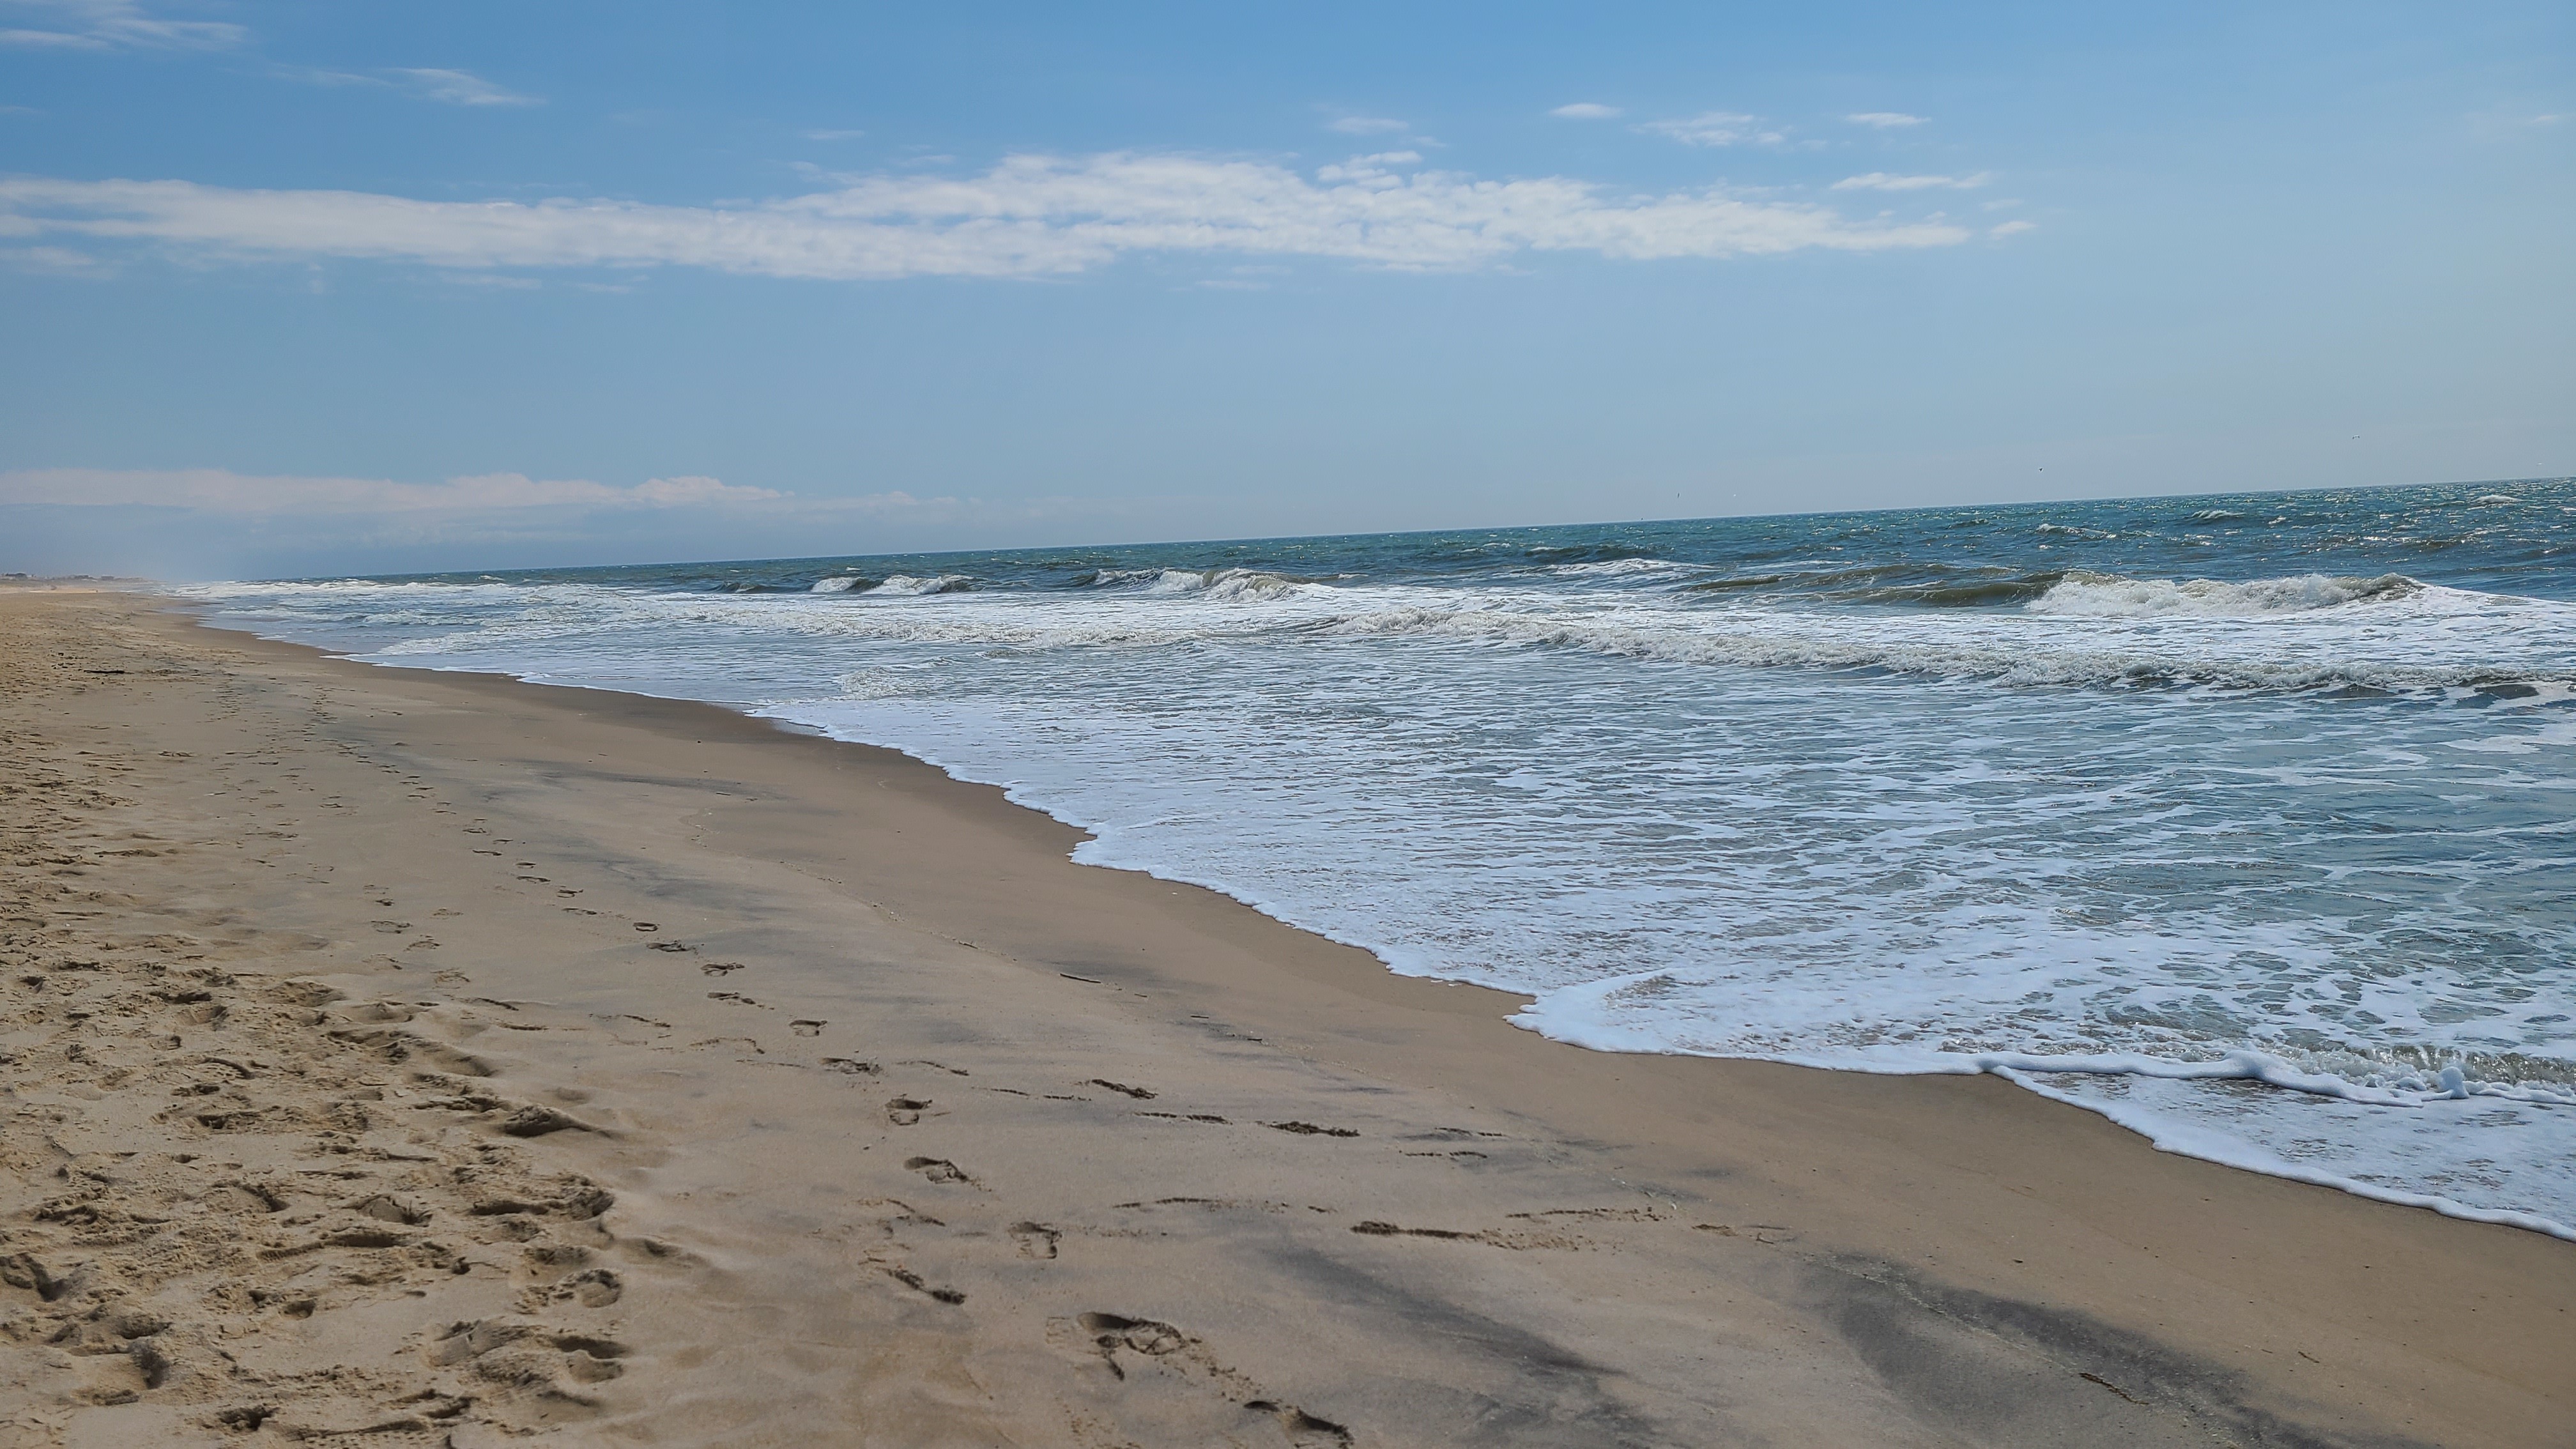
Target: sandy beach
{"x": 400, "y": 1058}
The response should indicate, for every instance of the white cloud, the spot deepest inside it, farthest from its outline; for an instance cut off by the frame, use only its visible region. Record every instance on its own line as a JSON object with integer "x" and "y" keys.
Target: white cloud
{"x": 690, "y": 488}
{"x": 1027, "y": 216}
{"x": 1717, "y": 128}
{"x": 1888, "y": 181}
{"x": 112, "y": 25}
{"x": 2014, "y": 228}
{"x": 450, "y": 87}
{"x": 1376, "y": 171}
{"x": 457, "y": 88}
{"x": 1586, "y": 111}
{"x": 1884, "y": 120}
{"x": 214, "y": 490}
{"x": 55, "y": 261}
{"x": 1365, "y": 125}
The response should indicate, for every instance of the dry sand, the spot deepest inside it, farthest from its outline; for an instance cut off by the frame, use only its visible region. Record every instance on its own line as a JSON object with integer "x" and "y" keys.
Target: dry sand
{"x": 399, "y": 1059}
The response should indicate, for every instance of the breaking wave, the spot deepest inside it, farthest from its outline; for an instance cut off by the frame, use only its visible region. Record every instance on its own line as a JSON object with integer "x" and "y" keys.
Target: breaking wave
{"x": 2100, "y": 596}
{"x": 906, "y": 584}
{"x": 2008, "y": 649}
{"x": 1207, "y": 583}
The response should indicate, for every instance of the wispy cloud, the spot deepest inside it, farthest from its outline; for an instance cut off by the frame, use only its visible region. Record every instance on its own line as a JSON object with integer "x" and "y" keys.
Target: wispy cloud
{"x": 1587, "y": 111}
{"x": 1889, "y": 181}
{"x": 1376, "y": 170}
{"x": 1365, "y": 125}
{"x": 459, "y": 88}
{"x": 111, "y": 25}
{"x": 2014, "y": 228}
{"x": 1717, "y": 128}
{"x": 215, "y": 490}
{"x": 448, "y": 87}
{"x": 55, "y": 261}
{"x": 1027, "y": 216}
{"x": 1884, "y": 120}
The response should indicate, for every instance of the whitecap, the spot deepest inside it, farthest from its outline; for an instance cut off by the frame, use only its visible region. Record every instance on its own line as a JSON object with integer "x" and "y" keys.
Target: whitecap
{"x": 907, "y": 584}
{"x": 2102, "y": 596}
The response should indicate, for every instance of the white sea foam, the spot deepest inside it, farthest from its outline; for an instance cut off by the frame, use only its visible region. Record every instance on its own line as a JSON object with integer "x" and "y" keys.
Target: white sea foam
{"x": 2165, "y": 1101}
{"x": 2097, "y": 596}
{"x": 907, "y": 584}
{"x": 1626, "y": 568}
{"x": 2465, "y": 641}
{"x": 840, "y": 585}
{"x": 1222, "y": 583}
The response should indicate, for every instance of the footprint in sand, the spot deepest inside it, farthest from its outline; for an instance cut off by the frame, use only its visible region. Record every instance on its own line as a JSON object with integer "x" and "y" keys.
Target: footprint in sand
{"x": 940, "y": 1169}
{"x": 905, "y": 1111}
{"x": 1110, "y": 1335}
{"x": 917, "y": 1284}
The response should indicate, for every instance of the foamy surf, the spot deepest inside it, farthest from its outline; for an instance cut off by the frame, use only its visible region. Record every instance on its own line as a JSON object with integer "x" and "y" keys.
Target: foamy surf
{"x": 905, "y": 585}
{"x": 2095, "y": 596}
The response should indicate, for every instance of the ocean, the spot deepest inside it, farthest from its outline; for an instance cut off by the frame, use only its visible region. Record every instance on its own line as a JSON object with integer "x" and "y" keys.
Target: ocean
{"x": 2247, "y": 821}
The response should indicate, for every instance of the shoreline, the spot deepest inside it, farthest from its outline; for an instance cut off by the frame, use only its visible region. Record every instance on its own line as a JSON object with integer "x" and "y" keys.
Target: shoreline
{"x": 2018, "y": 1068}
{"x": 1664, "y": 1249}
{"x": 2024, "y": 1070}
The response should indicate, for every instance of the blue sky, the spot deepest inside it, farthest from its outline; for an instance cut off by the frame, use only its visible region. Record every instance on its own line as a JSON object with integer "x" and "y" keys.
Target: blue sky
{"x": 305, "y": 287}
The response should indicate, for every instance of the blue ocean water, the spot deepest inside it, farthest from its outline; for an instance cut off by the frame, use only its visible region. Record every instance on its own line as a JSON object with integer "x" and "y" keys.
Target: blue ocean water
{"x": 2249, "y": 821}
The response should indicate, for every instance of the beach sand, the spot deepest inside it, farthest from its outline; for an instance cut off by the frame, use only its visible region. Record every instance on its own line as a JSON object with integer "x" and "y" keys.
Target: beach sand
{"x": 396, "y": 1058}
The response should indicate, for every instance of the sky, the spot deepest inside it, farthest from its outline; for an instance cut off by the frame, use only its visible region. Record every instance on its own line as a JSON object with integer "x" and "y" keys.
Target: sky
{"x": 290, "y": 287}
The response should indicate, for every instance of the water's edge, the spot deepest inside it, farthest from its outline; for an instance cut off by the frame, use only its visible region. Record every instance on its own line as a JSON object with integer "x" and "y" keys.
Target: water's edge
{"x": 2028, "y": 1072}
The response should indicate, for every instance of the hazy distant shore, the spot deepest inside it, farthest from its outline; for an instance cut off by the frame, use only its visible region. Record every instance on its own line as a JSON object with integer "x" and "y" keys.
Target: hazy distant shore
{"x": 431, "y": 1052}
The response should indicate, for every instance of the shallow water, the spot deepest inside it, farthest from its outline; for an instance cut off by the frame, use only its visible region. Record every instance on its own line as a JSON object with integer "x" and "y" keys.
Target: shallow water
{"x": 2250, "y": 821}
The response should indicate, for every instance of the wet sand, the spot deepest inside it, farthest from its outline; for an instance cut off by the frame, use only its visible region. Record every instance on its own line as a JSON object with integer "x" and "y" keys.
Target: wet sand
{"x": 397, "y": 1058}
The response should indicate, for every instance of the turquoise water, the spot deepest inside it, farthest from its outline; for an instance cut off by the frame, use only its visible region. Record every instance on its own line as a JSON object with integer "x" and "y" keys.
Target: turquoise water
{"x": 2249, "y": 821}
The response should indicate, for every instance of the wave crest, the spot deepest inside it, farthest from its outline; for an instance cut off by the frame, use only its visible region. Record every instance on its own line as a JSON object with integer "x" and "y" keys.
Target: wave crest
{"x": 1207, "y": 583}
{"x": 2104, "y": 596}
{"x": 2015, "y": 656}
{"x": 906, "y": 584}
